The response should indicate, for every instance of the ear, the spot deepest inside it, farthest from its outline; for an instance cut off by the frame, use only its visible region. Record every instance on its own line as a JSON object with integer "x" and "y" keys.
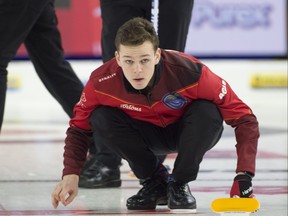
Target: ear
{"x": 157, "y": 55}
{"x": 117, "y": 57}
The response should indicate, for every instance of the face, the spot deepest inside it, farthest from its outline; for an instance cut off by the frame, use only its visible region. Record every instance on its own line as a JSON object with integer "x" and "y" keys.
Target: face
{"x": 138, "y": 63}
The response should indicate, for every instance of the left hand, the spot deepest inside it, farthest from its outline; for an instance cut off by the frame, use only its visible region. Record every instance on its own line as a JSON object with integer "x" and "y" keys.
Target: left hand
{"x": 242, "y": 186}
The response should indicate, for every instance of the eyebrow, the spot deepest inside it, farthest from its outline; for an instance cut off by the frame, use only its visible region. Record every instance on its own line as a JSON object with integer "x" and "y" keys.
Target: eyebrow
{"x": 127, "y": 56}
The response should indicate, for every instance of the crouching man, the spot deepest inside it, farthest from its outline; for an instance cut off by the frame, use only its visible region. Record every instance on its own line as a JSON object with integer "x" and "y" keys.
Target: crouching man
{"x": 148, "y": 102}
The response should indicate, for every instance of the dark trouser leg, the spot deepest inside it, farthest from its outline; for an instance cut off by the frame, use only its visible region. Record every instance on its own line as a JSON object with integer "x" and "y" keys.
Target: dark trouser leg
{"x": 114, "y": 14}
{"x": 199, "y": 130}
{"x": 174, "y": 21}
{"x": 127, "y": 137}
{"x": 3, "y": 88}
{"x": 102, "y": 153}
{"x": 105, "y": 155}
{"x": 39, "y": 32}
{"x": 17, "y": 18}
{"x": 45, "y": 50}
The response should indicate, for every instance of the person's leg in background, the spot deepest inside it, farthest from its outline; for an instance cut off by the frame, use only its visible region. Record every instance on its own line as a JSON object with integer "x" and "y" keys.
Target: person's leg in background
{"x": 174, "y": 21}
{"x": 114, "y": 13}
{"x": 44, "y": 46}
{"x": 14, "y": 28}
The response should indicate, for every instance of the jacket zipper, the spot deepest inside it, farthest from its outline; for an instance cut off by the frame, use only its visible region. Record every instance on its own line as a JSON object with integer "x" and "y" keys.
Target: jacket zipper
{"x": 149, "y": 100}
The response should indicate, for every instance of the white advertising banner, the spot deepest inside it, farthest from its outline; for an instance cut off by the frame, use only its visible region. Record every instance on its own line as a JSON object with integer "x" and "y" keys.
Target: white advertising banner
{"x": 238, "y": 28}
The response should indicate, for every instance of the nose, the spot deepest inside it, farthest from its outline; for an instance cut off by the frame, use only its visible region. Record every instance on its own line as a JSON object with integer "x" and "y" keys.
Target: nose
{"x": 138, "y": 68}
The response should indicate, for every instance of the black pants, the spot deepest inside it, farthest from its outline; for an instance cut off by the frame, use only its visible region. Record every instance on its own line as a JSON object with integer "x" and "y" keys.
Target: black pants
{"x": 34, "y": 23}
{"x": 140, "y": 142}
{"x": 173, "y": 25}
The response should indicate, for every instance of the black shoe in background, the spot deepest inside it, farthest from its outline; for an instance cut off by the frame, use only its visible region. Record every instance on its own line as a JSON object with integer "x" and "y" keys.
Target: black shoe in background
{"x": 153, "y": 193}
{"x": 180, "y": 197}
{"x": 96, "y": 175}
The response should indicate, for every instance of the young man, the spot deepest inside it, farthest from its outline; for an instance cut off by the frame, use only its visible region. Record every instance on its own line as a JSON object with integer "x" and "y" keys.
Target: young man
{"x": 102, "y": 169}
{"x": 147, "y": 102}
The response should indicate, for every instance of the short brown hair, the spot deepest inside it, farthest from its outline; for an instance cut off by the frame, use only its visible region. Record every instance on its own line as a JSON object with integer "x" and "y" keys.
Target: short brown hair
{"x": 135, "y": 32}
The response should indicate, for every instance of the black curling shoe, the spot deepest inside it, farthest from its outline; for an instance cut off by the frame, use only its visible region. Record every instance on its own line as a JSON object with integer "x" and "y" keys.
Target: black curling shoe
{"x": 180, "y": 197}
{"x": 97, "y": 175}
{"x": 153, "y": 193}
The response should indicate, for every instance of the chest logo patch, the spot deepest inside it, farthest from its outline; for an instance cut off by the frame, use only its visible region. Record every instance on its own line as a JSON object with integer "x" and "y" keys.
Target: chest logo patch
{"x": 174, "y": 100}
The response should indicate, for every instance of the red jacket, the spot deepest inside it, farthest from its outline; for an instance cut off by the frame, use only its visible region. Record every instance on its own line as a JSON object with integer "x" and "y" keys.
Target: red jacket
{"x": 176, "y": 76}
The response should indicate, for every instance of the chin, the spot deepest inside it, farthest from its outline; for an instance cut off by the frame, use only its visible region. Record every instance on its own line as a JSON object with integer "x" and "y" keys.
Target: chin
{"x": 137, "y": 87}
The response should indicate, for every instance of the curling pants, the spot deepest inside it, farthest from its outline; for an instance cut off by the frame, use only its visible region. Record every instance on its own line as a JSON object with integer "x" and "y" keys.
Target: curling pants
{"x": 140, "y": 142}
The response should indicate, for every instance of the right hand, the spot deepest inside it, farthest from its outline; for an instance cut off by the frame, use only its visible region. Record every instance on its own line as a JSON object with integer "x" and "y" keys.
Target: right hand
{"x": 65, "y": 191}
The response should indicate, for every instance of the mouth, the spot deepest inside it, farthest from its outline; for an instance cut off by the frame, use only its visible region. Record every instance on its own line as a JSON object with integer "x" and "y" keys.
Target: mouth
{"x": 138, "y": 79}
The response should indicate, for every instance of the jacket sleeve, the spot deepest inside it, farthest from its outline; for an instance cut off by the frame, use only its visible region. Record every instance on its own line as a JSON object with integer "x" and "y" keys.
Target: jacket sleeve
{"x": 236, "y": 114}
{"x": 75, "y": 151}
{"x": 247, "y": 134}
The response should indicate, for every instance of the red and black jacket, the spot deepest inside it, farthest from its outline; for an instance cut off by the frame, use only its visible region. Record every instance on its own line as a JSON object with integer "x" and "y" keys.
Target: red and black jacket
{"x": 179, "y": 79}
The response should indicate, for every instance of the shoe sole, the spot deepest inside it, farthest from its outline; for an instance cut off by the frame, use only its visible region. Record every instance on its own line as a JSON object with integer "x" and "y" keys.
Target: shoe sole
{"x": 161, "y": 201}
{"x": 191, "y": 207}
{"x": 183, "y": 210}
{"x": 110, "y": 184}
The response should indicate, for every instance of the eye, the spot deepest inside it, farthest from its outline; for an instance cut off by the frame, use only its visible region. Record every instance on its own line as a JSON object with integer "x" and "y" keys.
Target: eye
{"x": 143, "y": 61}
{"x": 128, "y": 61}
